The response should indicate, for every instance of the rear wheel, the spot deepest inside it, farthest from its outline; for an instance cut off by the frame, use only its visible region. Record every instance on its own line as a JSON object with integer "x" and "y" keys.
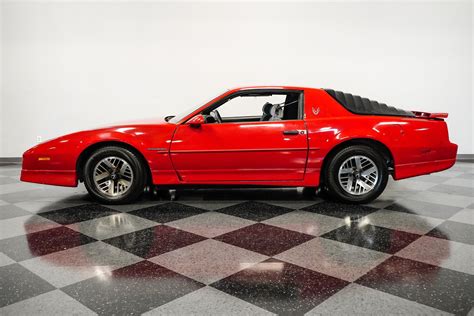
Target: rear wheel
{"x": 356, "y": 174}
{"x": 114, "y": 175}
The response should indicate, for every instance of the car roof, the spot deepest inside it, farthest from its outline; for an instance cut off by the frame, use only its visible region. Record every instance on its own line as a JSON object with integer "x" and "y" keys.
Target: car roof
{"x": 269, "y": 87}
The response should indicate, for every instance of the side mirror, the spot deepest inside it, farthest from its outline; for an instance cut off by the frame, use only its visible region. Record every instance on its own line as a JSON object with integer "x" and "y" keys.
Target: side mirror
{"x": 196, "y": 121}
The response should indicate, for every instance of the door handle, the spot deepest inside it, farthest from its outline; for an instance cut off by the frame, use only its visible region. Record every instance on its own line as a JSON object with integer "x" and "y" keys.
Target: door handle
{"x": 291, "y": 132}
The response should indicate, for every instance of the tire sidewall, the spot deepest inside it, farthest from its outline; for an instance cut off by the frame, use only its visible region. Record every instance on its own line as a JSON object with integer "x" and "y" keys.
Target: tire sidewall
{"x": 335, "y": 187}
{"x": 138, "y": 182}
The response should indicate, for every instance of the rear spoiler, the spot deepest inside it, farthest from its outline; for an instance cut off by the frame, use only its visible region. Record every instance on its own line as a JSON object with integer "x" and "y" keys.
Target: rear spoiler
{"x": 430, "y": 115}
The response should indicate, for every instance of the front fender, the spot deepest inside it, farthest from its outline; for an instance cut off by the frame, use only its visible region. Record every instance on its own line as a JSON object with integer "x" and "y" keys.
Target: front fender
{"x": 55, "y": 161}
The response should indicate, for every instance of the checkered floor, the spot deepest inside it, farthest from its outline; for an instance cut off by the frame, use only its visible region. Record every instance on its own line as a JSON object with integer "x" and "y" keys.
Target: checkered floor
{"x": 224, "y": 252}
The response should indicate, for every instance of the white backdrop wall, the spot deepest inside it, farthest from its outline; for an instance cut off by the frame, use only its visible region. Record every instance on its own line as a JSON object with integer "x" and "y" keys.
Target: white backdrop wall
{"x": 77, "y": 65}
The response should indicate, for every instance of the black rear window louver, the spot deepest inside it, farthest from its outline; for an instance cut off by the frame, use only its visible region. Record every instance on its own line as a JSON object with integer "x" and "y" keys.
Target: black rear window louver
{"x": 364, "y": 106}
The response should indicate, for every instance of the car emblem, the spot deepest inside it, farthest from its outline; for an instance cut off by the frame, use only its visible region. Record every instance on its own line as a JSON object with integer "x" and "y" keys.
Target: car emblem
{"x": 315, "y": 111}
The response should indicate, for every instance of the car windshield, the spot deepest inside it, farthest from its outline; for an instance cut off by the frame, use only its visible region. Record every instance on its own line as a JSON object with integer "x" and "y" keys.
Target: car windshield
{"x": 183, "y": 114}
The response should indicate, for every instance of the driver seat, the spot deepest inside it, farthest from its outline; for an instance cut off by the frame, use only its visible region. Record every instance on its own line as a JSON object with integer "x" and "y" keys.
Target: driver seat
{"x": 271, "y": 112}
{"x": 266, "y": 109}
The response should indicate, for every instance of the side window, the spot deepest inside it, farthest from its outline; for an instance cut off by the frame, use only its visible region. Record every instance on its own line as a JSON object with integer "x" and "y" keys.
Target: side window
{"x": 255, "y": 107}
{"x": 248, "y": 105}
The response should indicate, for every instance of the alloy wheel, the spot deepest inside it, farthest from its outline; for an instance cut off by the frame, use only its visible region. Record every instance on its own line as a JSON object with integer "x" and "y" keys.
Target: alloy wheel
{"x": 113, "y": 176}
{"x": 358, "y": 175}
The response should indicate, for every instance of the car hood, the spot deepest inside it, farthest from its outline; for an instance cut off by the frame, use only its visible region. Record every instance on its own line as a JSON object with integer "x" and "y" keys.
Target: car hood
{"x": 132, "y": 128}
{"x": 152, "y": 121}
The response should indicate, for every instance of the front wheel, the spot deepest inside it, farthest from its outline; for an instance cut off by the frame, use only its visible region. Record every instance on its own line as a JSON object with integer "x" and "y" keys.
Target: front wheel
{"x": 356, "y": 174}
{"x": 114, "y": 175}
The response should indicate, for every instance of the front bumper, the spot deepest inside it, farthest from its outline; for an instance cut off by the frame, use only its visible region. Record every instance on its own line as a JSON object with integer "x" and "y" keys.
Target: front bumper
{"x": 66, "y": 178}
{"x": 45, "y": 164}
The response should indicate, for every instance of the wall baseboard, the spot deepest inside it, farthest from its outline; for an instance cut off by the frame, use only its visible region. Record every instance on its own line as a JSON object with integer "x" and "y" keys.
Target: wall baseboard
{"x": 465, "y": 157}
{"x": 10, "y": 161}
{"x": 17, "y": 160}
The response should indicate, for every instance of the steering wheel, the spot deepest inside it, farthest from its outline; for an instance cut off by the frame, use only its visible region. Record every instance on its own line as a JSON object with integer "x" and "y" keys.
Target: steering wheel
{"x": 217, "y": 116}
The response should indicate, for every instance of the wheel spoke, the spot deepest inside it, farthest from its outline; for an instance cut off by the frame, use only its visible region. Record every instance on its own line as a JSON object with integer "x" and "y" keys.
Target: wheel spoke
{"x": 369, "y": 171}
{"x": 101, "y": 176}
{"x": 358, "y": 163}
{"x": 364, "y": 185}
{"x": 125, "y": 183}
{"x": 346, "y": 170}
{"x": 123, "y": 168}
{"x": 111, "y": 188}
{"x": 108, "y": 163}
{"x": 349, "y": 183}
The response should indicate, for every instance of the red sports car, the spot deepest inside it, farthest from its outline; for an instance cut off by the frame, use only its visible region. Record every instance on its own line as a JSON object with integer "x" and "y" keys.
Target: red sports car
{"x": 253, "y": 136}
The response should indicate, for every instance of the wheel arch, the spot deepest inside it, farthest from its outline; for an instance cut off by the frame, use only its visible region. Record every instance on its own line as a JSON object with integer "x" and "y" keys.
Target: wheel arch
{"x": 82, "y": 158}
{"x": 375, "y": 144}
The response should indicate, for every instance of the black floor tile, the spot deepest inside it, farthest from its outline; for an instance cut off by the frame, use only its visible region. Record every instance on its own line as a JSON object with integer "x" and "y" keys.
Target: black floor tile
{"x": 154, "y": 241}
{"x": 372, "y": 237}
{"x": 132, "y": 290}
{"x": 339, "y": 209}
{"x": 281, "y": 287}
{"x": 168, "y": 212}
{"x": 455, "y": 231}
{"x": 264, "y": 239}
{"x": 441, "y": 288}
{"x": 42, "y": 243}
{"x": 424, "y": 209}
{"x": 18, "y": 283}
{"x": 255, "y": 211}
{"x": 75, "y": 214}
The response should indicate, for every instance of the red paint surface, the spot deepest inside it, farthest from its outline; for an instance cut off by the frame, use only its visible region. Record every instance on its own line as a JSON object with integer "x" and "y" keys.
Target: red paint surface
{"x": 252, "y": 152}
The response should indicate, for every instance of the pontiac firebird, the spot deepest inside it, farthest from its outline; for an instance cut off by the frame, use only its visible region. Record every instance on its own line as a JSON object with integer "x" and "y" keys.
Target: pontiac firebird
{"x": 254, "y": 136}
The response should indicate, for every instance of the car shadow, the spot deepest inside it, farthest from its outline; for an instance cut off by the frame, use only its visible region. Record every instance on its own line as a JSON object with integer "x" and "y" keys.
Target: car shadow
{"x": 236, "y": 194}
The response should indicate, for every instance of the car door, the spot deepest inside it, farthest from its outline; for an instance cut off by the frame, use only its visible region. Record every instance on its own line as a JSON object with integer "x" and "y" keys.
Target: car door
{"x": 240, "y": 150}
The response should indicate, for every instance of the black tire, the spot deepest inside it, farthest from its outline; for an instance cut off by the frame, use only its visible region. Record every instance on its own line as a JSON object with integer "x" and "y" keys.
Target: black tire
{"x": 331, "y": 175}
{"x": 138, "y": 182}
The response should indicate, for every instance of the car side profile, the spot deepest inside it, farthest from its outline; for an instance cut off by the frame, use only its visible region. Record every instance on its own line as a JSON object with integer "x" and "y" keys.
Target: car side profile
{"x": 253, "y": 136}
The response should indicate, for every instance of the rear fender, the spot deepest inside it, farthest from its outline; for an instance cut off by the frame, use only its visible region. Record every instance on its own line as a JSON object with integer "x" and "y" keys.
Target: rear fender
{"x": 326, "y": 140}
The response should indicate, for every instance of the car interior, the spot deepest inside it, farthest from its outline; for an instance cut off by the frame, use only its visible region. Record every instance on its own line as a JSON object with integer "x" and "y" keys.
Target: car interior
{"x": 256, "y": 107}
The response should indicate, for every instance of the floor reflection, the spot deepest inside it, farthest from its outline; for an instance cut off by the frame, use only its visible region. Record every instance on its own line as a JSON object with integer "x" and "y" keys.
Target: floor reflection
{"x": 129, "y": 234}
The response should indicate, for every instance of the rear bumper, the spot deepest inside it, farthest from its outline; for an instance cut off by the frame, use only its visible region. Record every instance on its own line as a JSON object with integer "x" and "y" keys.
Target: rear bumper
{"x": 446, "y": 161}
{"x": 66, "y": 178}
